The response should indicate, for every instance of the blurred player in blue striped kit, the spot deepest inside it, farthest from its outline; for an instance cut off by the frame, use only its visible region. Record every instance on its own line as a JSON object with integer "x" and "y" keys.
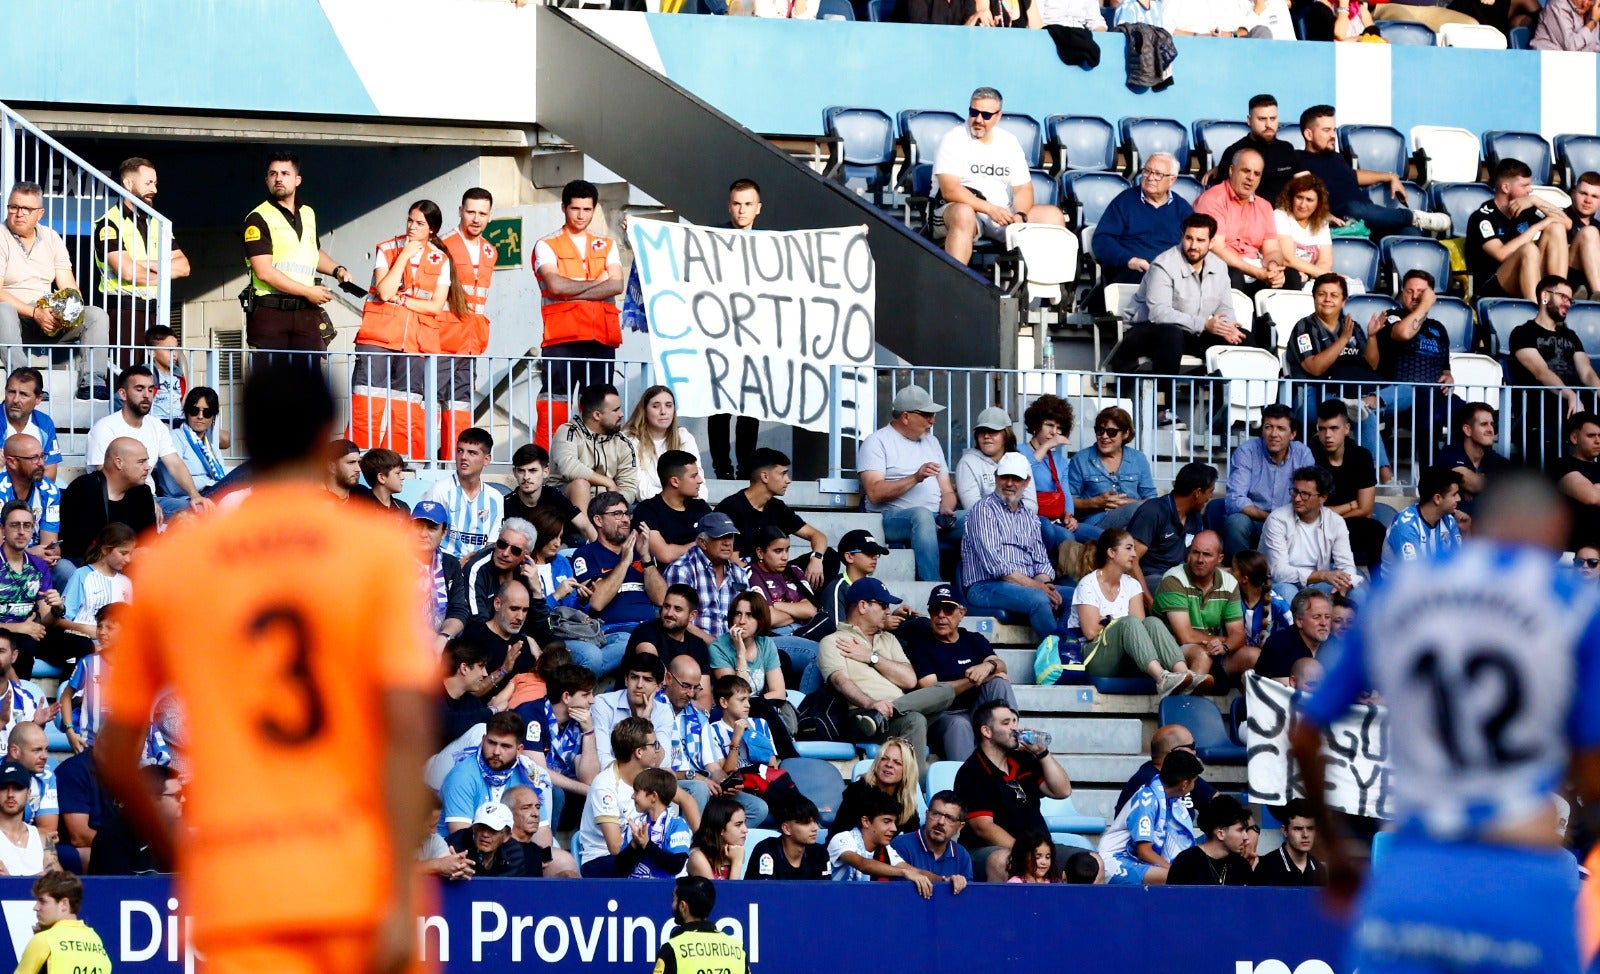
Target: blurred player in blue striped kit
{"x": 1488, "y": 659}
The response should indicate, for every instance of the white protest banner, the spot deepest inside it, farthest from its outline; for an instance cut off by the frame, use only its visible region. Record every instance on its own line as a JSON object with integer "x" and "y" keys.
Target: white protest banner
{"x": 753, "y": 322}
{"x": 1354, "y": 750}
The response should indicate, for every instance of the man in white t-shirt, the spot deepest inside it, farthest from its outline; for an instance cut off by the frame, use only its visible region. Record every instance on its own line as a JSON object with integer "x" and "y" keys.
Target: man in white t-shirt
{"x": 904, "y": 477}
{"x": 983, "y": 181}
{"x": 137, "y": 387}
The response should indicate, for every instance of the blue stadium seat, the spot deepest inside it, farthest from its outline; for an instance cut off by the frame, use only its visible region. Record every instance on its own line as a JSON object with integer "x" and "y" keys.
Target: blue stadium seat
{"x": 1081, "y": 142}
{"x": 825, "y": 750}
{"x": 1584, "y": 319}
{"x": 1406, "y": 32}
{"x": 1456, "y": 316}
{"x": 1091, "y": 193}
{"x": 865, "y": 157}
{"x": 1458, "y": 200}
{"x": 1520, "y": 38}
{"x": 880, "y": 11}
{"x": 921, "y": 131}
{"x": 1362, "y": 307}
{"x": 1123, "y": 684}
{"x": 1501, "y": 315}
{"x": 1416, "y": 196}
{"x": 1376, "y": 147}
{"x": 1204, "y": 721}
{"x": 1401, "y": 254}
{"x": 1060, "y": 815}
{"x": 1045, "y": 189}
{"x": 1072, "y": 841}
{"x": 1356, "y": 258}
{"x": 1236, "y": 706}
{"x": 1141, "y": 137}
{"x": 55, "y": 738}
{"x": 840, "y": 9}
{"x": 941, "y": 776}
{"x": 819, "y": 781}
{"x": 48, "y": 671}
{"x": 1213, "y": 135}
{"x": 1028, "y": 132}
{"x": 1188, "y": 187}
{"x": 1530, "y": 147}
{"x": 1576, "y": 155}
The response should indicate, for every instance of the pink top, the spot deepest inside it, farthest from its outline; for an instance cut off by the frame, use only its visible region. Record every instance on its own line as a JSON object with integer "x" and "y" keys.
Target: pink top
{"x": 1244, "y": 224}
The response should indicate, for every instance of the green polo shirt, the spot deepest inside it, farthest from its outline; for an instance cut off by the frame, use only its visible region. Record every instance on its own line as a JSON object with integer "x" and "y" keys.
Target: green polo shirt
{"x": 1209, "y": 611}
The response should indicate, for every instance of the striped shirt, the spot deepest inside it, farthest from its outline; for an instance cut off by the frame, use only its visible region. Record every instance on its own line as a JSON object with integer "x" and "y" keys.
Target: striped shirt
{"x": 44, "y": 501}
{"x": 25, "y": 699}
{"x": 88, "y": 708}
{"x": 474, "y": 521}
{"x": 89, "y": 591}
{"x": 694, "y": 569}
{"x": 757, "y": 733}
{"x": 999, "y": 540}
{"x": 43, "y": 797}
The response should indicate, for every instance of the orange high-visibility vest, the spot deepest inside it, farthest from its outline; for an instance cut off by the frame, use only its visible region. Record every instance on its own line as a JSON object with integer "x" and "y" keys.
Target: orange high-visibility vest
{"x": 574, "y": 321}
{"x": 468, "y": 334}
{"x": 399, "y": 328}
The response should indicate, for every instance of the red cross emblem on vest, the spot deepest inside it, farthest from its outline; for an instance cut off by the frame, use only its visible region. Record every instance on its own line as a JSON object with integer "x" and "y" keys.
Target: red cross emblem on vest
{"x": 597, "y": 245}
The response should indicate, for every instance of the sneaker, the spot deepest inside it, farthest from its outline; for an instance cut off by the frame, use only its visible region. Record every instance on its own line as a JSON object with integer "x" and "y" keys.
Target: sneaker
{"x": 1359, "y": 410}
{"x": 1171, "y": 683}
{"x": 1201, "y": 685}
{"x": 96, "y": 392}
{"x": 1431, "y": 222}
{"x": 867, "y": 723}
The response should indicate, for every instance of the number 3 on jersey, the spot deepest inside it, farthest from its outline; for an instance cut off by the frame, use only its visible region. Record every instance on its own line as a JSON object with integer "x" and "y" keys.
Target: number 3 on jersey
{"x": 1486, "y": 675}
{"x": 279, "y": 633}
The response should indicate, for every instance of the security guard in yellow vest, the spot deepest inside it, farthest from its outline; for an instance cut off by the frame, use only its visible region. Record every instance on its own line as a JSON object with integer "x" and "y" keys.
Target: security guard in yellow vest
{"x": 64, "y": 943}
{"x": 127, "y": 254}
{"x": 280, "y": 246}
{"x": 697, "y": 946}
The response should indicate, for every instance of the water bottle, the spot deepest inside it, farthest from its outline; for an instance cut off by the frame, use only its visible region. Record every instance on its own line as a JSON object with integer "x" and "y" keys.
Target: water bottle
{"x": 1031, "y": 738}
{"x": 1047, "y": 353}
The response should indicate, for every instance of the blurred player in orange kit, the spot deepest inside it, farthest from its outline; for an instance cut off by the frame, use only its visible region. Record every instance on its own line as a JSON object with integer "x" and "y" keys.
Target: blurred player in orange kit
{"x": 287, "y": 629}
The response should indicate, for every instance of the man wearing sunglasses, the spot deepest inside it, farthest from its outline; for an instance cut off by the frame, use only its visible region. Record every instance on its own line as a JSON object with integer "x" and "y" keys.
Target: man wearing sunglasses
{"x": 943, "y": 652}
{"x": 482, "y": 576}
{"x": 983, "y": 181}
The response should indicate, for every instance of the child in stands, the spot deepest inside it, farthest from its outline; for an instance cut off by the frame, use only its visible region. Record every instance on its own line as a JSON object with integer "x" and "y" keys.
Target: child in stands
{"x": 660, "y": 840}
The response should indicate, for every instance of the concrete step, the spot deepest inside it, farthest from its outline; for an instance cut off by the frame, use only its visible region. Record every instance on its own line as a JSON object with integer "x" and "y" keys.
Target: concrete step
{"x": 803, "y": 495}
{"x": 1008, "y": 634}
{"x": 835, "y": 524}
{"x": 1096, "y": 801}
{"x": 1083, "y": 700}
{"x": 1092, "y": 735}
{"x": 1110, "y": 769}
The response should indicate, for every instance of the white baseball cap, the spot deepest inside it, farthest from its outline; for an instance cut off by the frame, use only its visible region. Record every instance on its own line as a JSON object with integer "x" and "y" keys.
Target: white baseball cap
{"x": 493, "y": 814}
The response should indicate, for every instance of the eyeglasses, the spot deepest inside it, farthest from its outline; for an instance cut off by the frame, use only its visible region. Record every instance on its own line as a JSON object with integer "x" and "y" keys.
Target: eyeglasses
{"x": 504, "y": 545}
{"x": 958, "y": 819}
{"x": 1589, "y": 562}
{"x": 980, "y": 113}
{"x": 1253, "y": 828}
{"x": 204, "y": 412}
{"x": 25, "y": 525}
{"x": 686, "y": 685}
{"x": 944, "y": 609}
{"x": 621, "y": 513}
{"x": 1108, "y": 431}
{"x": 930, "y": 417}
{"x": 14, "y": 208}
{"x": 1303, "y": 494}
{"x": 652, "y": 746}
{"x": 1152, "y": 174}
{"x": 29, "y": 458}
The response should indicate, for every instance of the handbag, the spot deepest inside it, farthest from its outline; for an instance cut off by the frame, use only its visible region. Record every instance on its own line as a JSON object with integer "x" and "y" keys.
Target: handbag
{"x": 575, "y": 625}
{"x": 764, "y": 780}
{"x": 1064, "y": 659}
{"x": 1053, "y": 503}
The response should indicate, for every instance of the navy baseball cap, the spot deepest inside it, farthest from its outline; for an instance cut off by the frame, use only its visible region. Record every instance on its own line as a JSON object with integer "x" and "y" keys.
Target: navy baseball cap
{"x": 14, "y": 774}
{"x": 945, "y": 594}
{"x": 716, "y": 525}
{"x": 430, "y": 511}
{"x": 868, "y": 589}
{"x": 862, "y": 542}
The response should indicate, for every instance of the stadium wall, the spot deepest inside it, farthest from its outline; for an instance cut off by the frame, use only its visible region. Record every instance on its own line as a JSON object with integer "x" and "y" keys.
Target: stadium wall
{"x": 791, "y": 928}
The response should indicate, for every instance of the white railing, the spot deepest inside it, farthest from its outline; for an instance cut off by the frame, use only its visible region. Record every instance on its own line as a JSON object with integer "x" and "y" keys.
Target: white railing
{"x": 76, "y": 194}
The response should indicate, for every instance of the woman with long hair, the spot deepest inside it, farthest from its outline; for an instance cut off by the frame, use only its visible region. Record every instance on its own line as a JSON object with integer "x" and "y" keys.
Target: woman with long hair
{"x": 748, "y": 650}
{"x": 411, "y": 283}
{"x": 1119, "y": 638}
{"x": 197, "y": 440}
{"x": 1109, "y": 482}
{"x": 894, "y": 772}
{"x": 718, "y": 849}
{"x": 653, "y": 429}
{"x": 1303, "y": 224}
{"x": 1265, "y": 611}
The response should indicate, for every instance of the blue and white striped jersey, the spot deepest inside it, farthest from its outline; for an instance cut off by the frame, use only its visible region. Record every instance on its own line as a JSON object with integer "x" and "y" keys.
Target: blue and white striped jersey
{"x": 1488, "y": 659}
{"x": 474, "y": 521}
{"x": 88, "y": 707}
{"x": 88, "y": 591}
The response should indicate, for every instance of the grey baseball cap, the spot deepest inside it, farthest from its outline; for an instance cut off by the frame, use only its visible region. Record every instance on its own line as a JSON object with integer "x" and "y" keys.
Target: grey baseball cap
{"x": 993, "y": 418}
{"x": 914, "y": 399}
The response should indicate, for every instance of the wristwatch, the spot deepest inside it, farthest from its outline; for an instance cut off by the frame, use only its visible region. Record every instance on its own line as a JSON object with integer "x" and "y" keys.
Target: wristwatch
{"x": 690, "y": 775}
{"x": 873, "y": 660}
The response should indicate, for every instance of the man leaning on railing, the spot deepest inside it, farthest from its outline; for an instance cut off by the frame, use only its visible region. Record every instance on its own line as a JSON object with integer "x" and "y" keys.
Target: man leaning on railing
{"x": 34, "y": 268}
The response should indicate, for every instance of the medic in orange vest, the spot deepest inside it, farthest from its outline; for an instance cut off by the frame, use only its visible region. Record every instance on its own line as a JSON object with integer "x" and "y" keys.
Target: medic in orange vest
{"x": 578, "y": 274}
{"x": 411, "y": 284}
{"x": 465, "y": 335}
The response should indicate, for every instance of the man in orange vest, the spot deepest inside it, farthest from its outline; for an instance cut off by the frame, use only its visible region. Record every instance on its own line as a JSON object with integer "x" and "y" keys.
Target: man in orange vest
{"x": 473, "y": 259}
{"x": 579, "y": 274}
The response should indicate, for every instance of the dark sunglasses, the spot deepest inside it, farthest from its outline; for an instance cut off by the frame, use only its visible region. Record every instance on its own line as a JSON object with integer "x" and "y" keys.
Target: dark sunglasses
{"x": 202, "y": 411}
{"x": 980, "y": 113}
{"x": 504, "y": 545}
{"x": 1108, "y": 431}
{"x": 1589, "y": 562}
{"x": 943, "y": 609}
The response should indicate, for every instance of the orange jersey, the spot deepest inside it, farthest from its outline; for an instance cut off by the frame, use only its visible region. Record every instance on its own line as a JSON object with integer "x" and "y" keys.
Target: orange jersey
{"x": 279, "y": 624}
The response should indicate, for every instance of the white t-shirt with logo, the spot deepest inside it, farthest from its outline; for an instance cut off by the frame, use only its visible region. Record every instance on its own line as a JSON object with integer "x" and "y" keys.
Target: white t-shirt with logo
{"x": 609, "y": 801}
{"x": 992, "y": 169}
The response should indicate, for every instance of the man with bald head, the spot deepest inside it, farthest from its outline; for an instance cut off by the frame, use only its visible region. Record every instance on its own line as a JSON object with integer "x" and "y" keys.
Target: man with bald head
{"x": 1202, "y": 606}
{"x": 1166, "y": 739}
{"x": 117, "y": 492}
{"x": 687, "y": 754}
{"x": 29, "y": 747}
{"x": 1246, "y": 238}
{"x": 26, "y": 480}
{"x": 1141, "y": 222}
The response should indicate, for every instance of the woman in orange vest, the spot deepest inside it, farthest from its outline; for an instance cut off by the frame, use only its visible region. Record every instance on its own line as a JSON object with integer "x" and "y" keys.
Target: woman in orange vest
{"x": 411, "y": 284}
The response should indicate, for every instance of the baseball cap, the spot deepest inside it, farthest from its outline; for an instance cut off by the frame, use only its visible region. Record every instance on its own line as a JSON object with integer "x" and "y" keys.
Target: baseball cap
{"x": 914, "y": 399}
{"x": 945, "y": 594}
{"x": 993, "y": 418}
{"x": 859, "y": 541}
{"x": 430, "y": 511}
{"x": 12, "y": 773}
{"x": 716, "y": 525}
{"x": 868, "y": 589}
{"x": 493, "y": 814}
{"x": 1014, "y": 465}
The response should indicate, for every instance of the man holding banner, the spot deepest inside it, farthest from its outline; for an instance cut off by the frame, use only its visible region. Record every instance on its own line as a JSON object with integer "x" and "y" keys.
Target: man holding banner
{"x": 1488, "y": 658}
